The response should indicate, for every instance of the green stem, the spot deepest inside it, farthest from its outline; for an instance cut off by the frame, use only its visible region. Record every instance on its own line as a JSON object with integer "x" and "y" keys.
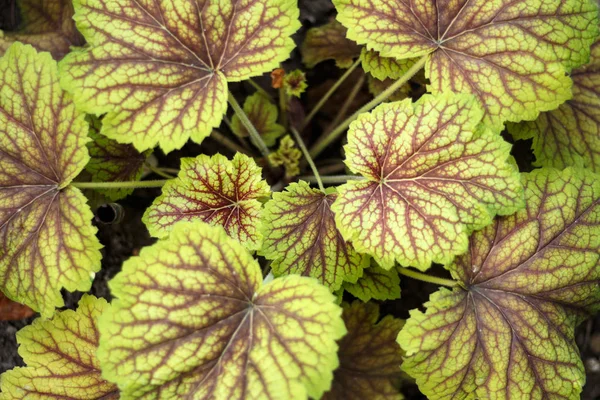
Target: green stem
{"x": 326, "y": 140}
{"x": 256, "y": 138}
{"x": 259, "y": 88}
{"x": 225, "y": 141}
{"x": 332, "y": 180}
{"x": 119, "y": 185}
{"x": 411, "y": 273}
{"x": 159, "y": 171}
{"x": 308, "y": 158}
{"x": 329, "y": 93}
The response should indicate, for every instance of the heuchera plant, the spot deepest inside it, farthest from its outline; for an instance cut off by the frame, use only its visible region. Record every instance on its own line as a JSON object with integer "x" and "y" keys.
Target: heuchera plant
{"x": 269, "y": 279}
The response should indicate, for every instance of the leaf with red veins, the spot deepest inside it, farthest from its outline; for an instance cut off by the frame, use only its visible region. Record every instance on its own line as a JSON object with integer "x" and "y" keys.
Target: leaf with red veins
{"x": 47, "y": 241}
{"x": 160, "y": 69}
{"x": 433, "y": 174}
{"x": 526, "y": 282}
{"x": 214, "y": 190}
{"x": 301, "y": 238}
{"x": 375, "y": 283}
{"x": 47, "y": 25}
{"x": 329, "y": 42}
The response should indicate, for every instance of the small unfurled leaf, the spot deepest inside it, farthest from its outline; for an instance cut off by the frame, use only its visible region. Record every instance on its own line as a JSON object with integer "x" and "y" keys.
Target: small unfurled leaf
{"x": 301, "y": 238}
{"x": 527, "y": 281}
{"x": 11, "y": 310}
{"x": 60, "y": 354}
{"x": 434, "y": 173}
{"x": 47, "y": 25}
{"x": 376, "y": 283}
{"x": 193, "y": 319}
{"x": 277, "y": 78}
{"x": 384, "y": 68}
{"x": 288, "y": 156}
{"x": 370, "y": 358}
{"x": 294, "y": 83}
{"x": 47, "y": 241}
{"x": 263, "y": 115}
{"x": 512, "y": 55}
{"x": 329, "y": 42}
{"x": 111, "y": 161}
{"x": 569, "y": 135}
{"x": 214, "y": 190}
{"x": 160, "y": 69}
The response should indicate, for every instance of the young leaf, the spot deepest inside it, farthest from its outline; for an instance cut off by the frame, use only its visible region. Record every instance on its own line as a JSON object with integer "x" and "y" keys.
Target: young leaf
{"x": 47, "y": 241}
{"x": 433, "y": 174}
{"x": 370, "y": 358}
{"x": 329, "y": 42}
{"x": 160, "y": 70}
{"x": 46, "y": 25}
{"x": 113, "y": 162}
{"x": 60, "y": 354}
{"x": 384, "y": 68}
{"x": 193, "y": 320}
{"x": 570, "y": 135}
{"x": 214, "y": 190}
{"x": 511, "y": 54}
{"x": 527, "y": 281}
{"x": 376, "y": 283}
{"x": 301, "y": 238}
{"x": 263, "y": 115}
{"x": 294, "y": 83}
{"x": 288, "y": 156}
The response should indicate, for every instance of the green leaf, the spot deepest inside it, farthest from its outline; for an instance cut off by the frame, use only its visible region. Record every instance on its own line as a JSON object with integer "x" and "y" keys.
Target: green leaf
{"x": 113, "y": 162}
{"x": 384, "y": 68}
{"x": 263, "y": 115}
{"x": 47, "y": 241}
{"x": 301, "y": 238}
{"x": 160, "y": 70}
{"x": 60, "y": 354}
{"x": 288, "y": 156}
{"x": 370, "y": 358}
{"x": 214, "y": 190}
{"x": 193, "y": 320}
{"x": 294, "y": 83}
{"x": 511, "y": 54}
{"x": 526, "y": 283}
{"x": 329, "y": 42}
{"x": 434, "y": 173}
{"x": 570, "y": 135}
{"x": 46, "y": 25}
{"x": 376, "y": 283}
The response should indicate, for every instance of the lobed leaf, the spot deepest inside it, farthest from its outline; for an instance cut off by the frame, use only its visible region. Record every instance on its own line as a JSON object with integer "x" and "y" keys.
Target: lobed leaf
{"x": 214, "y": 190}
{"x": 113, "y": 162}
{"x": 527, "y": 281}
{"x": 47, "y": 241}
{"x": 433, "y": 174}
{"x": 511, "y": 54}
{"x": 375, "y": 283}
{"x": 60, "y": 354}
{"x": 263, "y": 114}
{"x": 193, "y": 320}
{"x": 46, "y": 25}
{"x": 160, "y": 69}
{"x": 301, "y": 238}
{"x": 370, "y": 358}
{"x": 329, "y": 42}
{"x": 384, "y": 68}
{"x": 569, "y": 135}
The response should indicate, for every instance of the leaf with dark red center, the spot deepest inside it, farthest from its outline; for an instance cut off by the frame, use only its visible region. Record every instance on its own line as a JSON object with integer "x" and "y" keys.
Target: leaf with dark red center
{"x": 160, "y": 69}
{"x": 301, "y": 238}
{"x": 434, "y": 173}
{"x": 193, "y": 320}
{"x": 47, "y": 241}
{"x": 263, "y": 115}
{"x": 569, "y": 135}
{"x": 60, "y": 354}
{"x": 214, "y": 190}
{"x": 329, "y": 42}
{"x": 113, "y": 162}
{"x": 527, "y": 281}
{"x": 375, "y": 283}
{"x": 46, "y": 25}
{"x": 370, "y": 358}
{"x": 511, "y": 54}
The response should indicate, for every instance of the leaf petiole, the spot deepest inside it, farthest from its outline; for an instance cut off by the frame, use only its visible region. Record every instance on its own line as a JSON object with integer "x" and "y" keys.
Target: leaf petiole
{"x": 119, "y": 185}
{"x": 411, "y": 273}
{"x": 324, "y": 141}
{"x": 308, "y": 158}
{"x": 333, "y": 179}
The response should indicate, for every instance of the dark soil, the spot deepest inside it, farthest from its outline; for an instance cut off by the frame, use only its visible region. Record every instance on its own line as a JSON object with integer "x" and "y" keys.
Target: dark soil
{"x": 124, "y": 239}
